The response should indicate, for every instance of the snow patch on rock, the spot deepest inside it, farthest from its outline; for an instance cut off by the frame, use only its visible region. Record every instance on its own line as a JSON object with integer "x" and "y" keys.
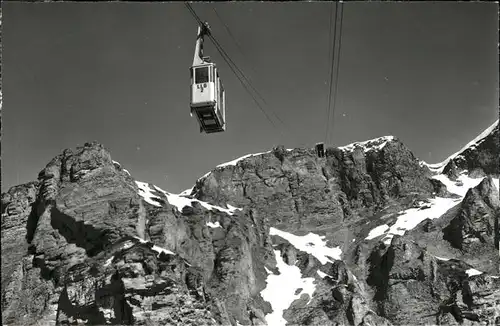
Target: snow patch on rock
{"x": 438, "y": 167}
{"x": 281, "y": 289}
{"x": 435, "y": 208}
{"x": 235, "y": 161}
{"x": 323, "y": 275}
{"x": 179, "y": 201}
{"x": 312, "y": 244}
{"x": 147, "y": 193}
{"x": 378, "y": 231}
{"x": 461, "y": 186}
{"x": 369, "y": 145}
{"x": 214, "y": 225}
{"x": 156, "y": 248}
{"x": 413, "y": 216}
{"x": 473, "y": 272}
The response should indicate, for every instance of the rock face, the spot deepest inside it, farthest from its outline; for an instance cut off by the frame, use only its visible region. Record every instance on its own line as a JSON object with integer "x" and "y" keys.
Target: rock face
{"x": 277, "y": 238}
{"x": 469, "y": 231}
{"x": 17, "y": 206}
{"x": 480, "y": 157}
{"x": 413, "y": 287}
{"x": 476, "y": 221}
{"x": 73, "y": 241}
{"x": 300, "y": 192}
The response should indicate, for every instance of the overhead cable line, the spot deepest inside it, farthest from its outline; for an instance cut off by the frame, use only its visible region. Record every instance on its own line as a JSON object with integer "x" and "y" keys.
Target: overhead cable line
{"x": 331, "y": 55}
{"x": 230, "y": 63}
{"x": 338, "y": 64}
{"x": 234, "y": 68}
{"x": 234, "y": 39}
{"x": 334, "y": 76}
{"x": 223, "y": 52}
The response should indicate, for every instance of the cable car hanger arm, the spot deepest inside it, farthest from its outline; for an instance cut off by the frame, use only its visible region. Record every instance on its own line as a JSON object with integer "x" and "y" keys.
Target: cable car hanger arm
{"x": 203, "y": 29}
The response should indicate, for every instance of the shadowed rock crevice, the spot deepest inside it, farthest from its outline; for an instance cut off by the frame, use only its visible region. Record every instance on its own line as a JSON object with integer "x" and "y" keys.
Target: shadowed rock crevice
{"x": 32, "y": 222}
{"x": 68, "y": 313}
{"x": 380, "y": 263}
{"x": 453, "y": 234}
{"x": 123, "y": 311}
{"x": 497, "y": 229}
{"x": 78, "y": 232}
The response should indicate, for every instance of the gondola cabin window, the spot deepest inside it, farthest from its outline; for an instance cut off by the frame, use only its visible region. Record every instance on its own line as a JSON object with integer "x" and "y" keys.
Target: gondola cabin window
{"x": 201, "y": 75}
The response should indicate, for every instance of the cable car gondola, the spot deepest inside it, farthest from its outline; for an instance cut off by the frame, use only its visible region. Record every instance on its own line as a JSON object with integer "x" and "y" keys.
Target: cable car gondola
{"x": 208, "y": 101}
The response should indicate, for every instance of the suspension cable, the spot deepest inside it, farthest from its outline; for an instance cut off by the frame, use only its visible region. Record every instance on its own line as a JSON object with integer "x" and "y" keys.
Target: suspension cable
{"x": 234, "y": 68}
{"x": 331, "y": 54}
{"x": 334, "y": 76}
{"x": 239, "y": 70}
{"x": 223, "y": 52}
{"x": 234, "y": 39}
{"x": 338, "y": 65}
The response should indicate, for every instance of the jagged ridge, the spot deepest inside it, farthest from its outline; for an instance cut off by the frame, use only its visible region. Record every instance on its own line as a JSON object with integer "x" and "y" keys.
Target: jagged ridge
{"x": 93, "y": 245}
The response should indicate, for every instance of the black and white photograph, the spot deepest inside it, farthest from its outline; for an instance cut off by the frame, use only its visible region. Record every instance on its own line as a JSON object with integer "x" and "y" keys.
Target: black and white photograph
{"x": 250, "y": 163}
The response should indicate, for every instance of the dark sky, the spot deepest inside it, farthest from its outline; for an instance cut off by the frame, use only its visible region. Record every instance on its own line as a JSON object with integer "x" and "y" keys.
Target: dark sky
{"x": 118, "y": 73}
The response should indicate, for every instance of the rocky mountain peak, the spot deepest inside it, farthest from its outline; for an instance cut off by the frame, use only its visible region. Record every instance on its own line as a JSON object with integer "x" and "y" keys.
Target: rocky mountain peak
{"x": 370, "y": 145}
{"x": 366, "y": 235}
{"x": 479, "y": 157}
{"x": 300, "y": 191}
